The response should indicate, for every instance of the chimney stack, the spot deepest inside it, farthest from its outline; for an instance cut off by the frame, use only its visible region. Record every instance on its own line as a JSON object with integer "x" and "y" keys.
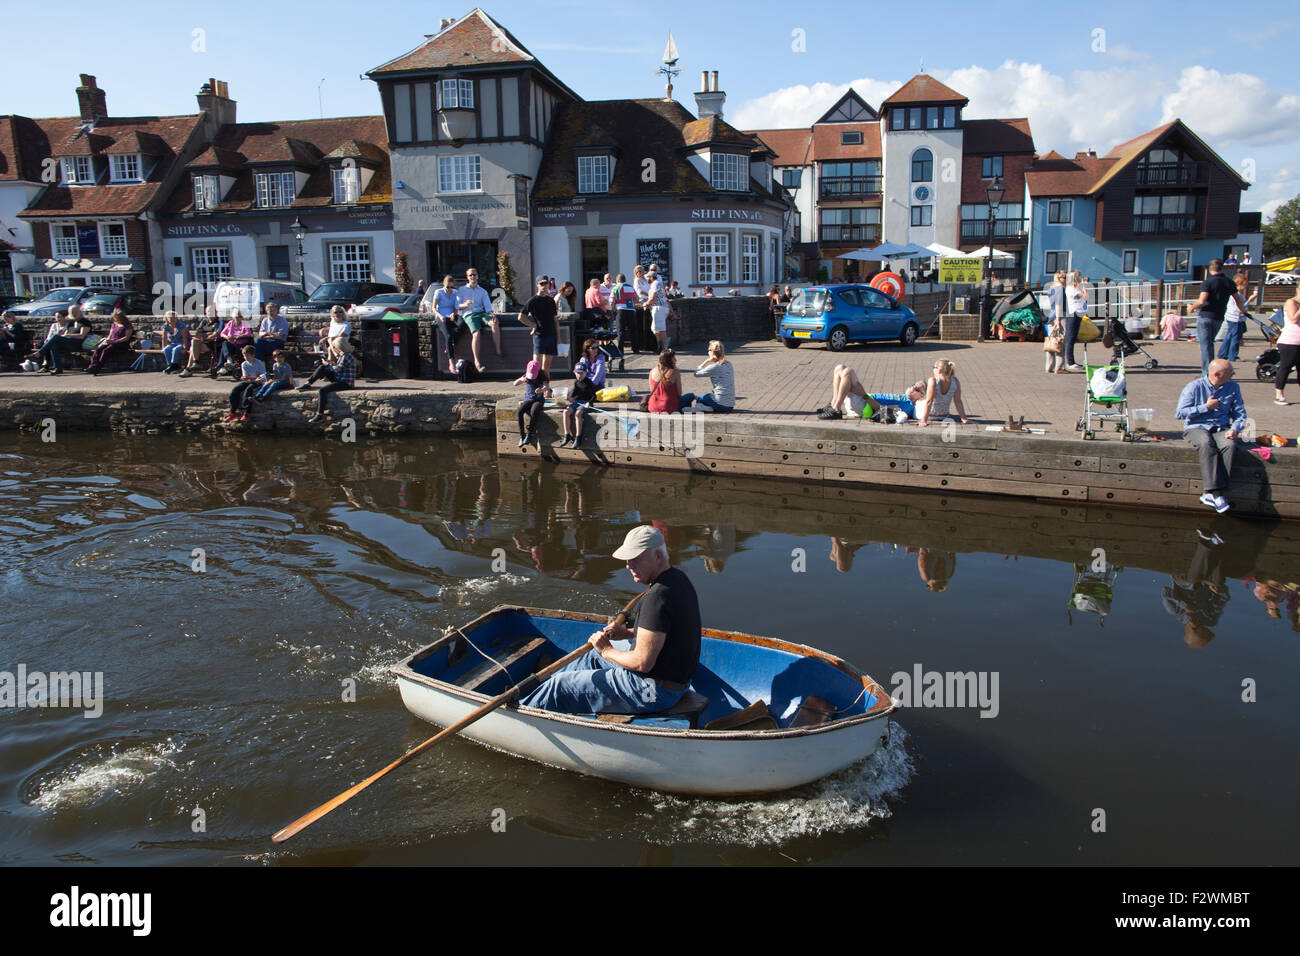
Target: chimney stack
{"x": 217, "y": 107}
{"x": 709, "y": 100}
{"x": 445, "y": 22}
{"x": 91, "y": 101}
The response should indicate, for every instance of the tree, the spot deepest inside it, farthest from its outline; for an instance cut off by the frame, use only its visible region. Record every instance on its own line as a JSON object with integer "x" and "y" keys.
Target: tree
{"x": 1282, "y": 232}
{"x": 505, "y": 273}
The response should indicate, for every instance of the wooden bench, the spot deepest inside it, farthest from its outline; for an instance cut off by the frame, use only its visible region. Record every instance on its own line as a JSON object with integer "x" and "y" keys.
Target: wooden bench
{"x": 480, "y": 674}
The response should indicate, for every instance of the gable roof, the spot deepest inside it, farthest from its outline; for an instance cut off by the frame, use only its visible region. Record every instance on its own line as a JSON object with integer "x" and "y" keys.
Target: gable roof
{"x": 792, "y": 147}
{"x": 997, "y": 136}
{"x": 851, "y": 104}
{"x": 473, "y": 40}
{"x": 640, "y": 129}
{"x": 924, "y": 88}
{"x": 1133, "y": 149}
{"x": 241, "y": 147}
{"x": 162, "y": 138}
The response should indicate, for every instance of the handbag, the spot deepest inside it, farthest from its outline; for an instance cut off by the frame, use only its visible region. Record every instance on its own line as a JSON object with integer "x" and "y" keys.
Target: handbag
{"x": 1054, "y": 343}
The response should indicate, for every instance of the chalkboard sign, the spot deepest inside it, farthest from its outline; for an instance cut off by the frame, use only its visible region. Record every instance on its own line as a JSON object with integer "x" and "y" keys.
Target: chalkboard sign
{"x": 657, "y": 252}
{"x": 88, "y": 240}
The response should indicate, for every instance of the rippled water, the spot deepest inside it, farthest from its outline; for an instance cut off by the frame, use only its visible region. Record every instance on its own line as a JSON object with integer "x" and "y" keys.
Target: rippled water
{"x": 323, "y": 564}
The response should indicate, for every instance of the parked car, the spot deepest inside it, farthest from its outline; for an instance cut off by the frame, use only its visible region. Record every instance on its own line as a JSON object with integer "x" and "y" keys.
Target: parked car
{"x": 377, "y": 305}
{"x": 56, "y": 300}
{"x": 132, "y": 303}
{"x": 8, "y": 300}
{"x": 330, "y": 294}
{"x": 248, "y": 295}
{"x": 840, "y": 314}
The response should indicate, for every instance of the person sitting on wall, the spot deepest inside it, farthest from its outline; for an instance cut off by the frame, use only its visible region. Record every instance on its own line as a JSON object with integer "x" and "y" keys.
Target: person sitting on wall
{"x": 338, "y": 368}
{"x": 120, "y": 334}
{"x": 1214, "y": 415}
{"x": 850, "y": 399}
{"x": 13, "y": 341}
{"x": 443, "y": 306}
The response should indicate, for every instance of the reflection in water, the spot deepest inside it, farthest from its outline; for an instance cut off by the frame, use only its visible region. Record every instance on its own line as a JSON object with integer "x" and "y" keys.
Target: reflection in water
{"x": 327, "y": 562}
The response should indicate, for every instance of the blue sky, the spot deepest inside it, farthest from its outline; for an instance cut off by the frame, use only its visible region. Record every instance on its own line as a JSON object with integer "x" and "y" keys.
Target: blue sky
{"x": 1086, "y": 75}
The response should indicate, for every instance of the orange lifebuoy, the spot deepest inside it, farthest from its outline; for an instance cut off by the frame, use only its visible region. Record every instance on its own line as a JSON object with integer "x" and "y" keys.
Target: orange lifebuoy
{"x": 890, "y": 283}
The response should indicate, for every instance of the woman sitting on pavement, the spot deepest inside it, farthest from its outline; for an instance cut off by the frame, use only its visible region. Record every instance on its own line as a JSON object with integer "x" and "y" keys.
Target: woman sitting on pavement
{"x": 339, "y": 368}
{"x": 665, "y": 385}
{"x": 119, "y": 336}
{"x": 850, "y": 399}
{"x": 722, "y": 374}
{"x": 942, "y": 390}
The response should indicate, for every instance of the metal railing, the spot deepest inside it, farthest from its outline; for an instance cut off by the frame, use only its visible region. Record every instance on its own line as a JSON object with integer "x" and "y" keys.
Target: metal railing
{"x": 1173, "y": 174}
{"x": 851, "y": 187}
{"x": 1166, "y": 223}
{"x": 977, "y": 230}
{"x": 850, "y": 233}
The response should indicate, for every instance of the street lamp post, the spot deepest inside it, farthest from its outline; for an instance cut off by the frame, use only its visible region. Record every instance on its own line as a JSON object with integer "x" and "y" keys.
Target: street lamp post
{"x": 300, "y": 233}
{"x": 994, "y": 194}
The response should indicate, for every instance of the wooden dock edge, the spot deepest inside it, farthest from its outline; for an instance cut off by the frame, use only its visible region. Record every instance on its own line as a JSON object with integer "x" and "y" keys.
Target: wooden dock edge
{"x": 1164, "y": 475}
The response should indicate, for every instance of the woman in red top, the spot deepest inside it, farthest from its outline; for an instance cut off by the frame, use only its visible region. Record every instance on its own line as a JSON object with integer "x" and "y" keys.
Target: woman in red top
{"x": 665, "y": 384}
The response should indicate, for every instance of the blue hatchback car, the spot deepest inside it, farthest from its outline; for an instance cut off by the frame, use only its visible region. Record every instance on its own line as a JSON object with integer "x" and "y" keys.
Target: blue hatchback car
{"x": 840, "y": 314}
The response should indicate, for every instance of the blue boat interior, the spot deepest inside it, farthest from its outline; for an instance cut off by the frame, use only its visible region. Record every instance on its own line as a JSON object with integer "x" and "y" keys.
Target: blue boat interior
{"x": 732, "y": 674}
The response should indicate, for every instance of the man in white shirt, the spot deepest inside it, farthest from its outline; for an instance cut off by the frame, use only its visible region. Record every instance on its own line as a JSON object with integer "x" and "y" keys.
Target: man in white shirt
{"x": 475, "y": 308}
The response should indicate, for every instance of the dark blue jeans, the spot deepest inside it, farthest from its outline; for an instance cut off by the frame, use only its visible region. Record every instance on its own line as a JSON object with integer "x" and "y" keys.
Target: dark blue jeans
{"x": 1207, "y": 327}
{"x": 54, "y": 350}
{"x": 1231, "y": 344}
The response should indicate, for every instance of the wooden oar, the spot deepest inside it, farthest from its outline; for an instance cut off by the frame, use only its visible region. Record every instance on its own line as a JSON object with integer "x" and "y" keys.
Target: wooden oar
{"x": 308, "y": 819}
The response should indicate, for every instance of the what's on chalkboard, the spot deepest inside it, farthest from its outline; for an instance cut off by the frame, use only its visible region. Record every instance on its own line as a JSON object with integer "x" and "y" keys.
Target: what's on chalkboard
{"x": 657, "y": 252}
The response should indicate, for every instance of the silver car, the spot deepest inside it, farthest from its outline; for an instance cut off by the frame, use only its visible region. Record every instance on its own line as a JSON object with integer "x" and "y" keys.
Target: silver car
{"x": 377, "y": 305}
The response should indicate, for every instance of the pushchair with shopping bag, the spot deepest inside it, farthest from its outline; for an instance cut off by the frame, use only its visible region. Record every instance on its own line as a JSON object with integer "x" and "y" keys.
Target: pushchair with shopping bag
{"x": 1105, "y": 397}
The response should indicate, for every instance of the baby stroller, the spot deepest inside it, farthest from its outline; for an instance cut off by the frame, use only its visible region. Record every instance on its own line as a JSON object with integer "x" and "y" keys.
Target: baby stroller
{"x": 1266, "y": 361}
{"x": 1105, "y": 397}
{"x": 1125, "y": 347}
{"x": 607, "y": 343}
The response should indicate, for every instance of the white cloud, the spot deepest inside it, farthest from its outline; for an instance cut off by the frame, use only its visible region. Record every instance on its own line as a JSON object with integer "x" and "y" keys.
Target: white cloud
{"x": 1232, "y": 106}
{"x": 1283, "y": 186}
{"x": 794, "y": 106}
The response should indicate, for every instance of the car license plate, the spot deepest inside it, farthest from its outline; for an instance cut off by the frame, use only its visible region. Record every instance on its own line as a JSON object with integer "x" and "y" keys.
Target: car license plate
{"x": 801, "y": 335}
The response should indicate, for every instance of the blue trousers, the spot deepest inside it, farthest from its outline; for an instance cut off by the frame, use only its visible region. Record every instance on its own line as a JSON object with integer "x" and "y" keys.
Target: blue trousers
{"x": 1207, "y": 327}
{"x": 172, "y": 353}
{"x": 593, "y": 685}
{"x": 707, "y": 400}
{"x": 1231, "y": 343}
{"x": 270, "y": 388}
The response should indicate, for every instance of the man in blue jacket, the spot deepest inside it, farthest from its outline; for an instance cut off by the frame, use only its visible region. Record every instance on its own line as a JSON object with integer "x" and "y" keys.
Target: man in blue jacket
{"x": 1214, "y": 415}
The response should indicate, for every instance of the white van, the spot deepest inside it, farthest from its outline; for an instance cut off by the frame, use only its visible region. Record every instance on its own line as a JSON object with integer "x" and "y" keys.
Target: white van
{"x": 247, "y": 295}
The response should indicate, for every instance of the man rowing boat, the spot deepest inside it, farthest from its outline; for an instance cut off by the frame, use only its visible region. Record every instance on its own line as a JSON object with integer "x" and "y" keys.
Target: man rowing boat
{"x": 652, "y": 674}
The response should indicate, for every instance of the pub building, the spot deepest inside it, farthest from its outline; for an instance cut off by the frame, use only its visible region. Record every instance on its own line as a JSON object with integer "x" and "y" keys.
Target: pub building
{"x": 304, "y": 201}
{"x": 468, "y": 113}
{"x": 624, "y": 182}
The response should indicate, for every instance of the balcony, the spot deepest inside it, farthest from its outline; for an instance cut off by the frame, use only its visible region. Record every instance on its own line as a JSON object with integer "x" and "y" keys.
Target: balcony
{"x": 1167, "y": 224}
{"x": 977, "y": 230}
{"x": 850, "y": 233}
{"x": 852, "y": 187}
{"x": 1173, "y": 174}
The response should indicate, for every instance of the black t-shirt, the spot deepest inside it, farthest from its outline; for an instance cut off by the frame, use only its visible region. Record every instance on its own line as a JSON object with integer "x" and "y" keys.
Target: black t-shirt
{"x": 672, "y": 607}
{"x": 1220, "y": 289}
{"x": 584, "y": 390}
{"x": 542, "y": 308}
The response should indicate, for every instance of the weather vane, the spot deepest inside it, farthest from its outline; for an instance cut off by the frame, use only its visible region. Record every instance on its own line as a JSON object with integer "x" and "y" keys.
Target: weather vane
{"x": 670, "y": 62}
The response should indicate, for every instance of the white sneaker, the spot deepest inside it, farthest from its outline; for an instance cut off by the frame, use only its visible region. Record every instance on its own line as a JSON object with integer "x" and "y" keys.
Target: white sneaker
{"x": 1209, "y": 499}
{"x": 1221, "y": 504}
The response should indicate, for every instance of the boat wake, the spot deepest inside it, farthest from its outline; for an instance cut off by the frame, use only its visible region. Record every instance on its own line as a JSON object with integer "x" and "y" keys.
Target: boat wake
{"x": 90, "y": 775}
{"x": 468, "y": 590}
{"x": 843, "y": 802}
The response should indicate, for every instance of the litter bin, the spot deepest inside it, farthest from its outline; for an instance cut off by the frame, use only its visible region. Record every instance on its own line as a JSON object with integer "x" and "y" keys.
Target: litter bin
{"x": 390, "y": 346}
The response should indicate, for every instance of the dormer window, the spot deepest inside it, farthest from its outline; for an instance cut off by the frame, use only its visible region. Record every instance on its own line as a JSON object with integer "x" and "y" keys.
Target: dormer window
{"x": 206, "y": 193}
{"x": 274, "y": 189}
{"x": 124, "y": 169}
{"x": 594, "y": 174}
{"x": 78, "y": 171}
{"x": 347, "y": 184}
{"x": 730, "y": 171}
{"x": 457, "y": 94}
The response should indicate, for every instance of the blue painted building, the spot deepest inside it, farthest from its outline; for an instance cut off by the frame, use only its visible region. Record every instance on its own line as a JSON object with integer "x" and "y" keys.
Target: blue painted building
{"x": 1160, "y": 206}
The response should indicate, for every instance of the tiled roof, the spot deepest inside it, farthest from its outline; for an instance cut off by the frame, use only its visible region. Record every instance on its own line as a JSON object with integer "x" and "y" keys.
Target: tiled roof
{"x": 790, "y": 145}
{"x": 1128, "y": 152}
{"x": 642, "y": 129}
{"x": 924, "y": 88}
{"x": 714, "y": 129}
{"x": 1059, "y": 176}
{"x": 24, "y": 143}
{"x": 827, "y": 145}
{"x": 473, "y": 40}
{"x": 997, "y": 136}
{"x": 164, "y": 136}
{"x": 241, "y": 147}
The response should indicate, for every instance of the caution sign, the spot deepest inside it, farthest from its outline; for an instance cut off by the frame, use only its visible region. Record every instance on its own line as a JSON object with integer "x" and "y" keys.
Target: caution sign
{"x": 961, "y": 270}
